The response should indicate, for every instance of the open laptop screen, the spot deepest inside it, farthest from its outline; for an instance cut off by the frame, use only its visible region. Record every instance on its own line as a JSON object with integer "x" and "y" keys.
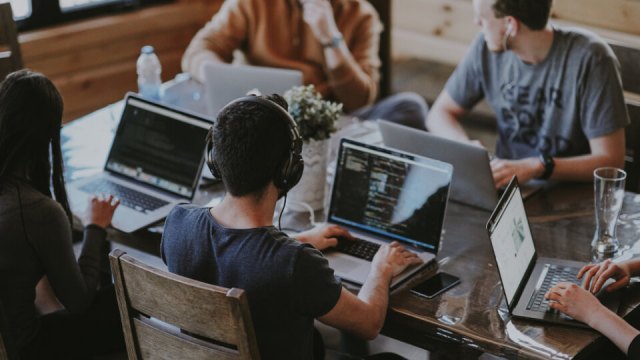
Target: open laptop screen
{"x": 392, "y": 194}
{"x": 159, "y": 147}
{"x": 511, "y": 241}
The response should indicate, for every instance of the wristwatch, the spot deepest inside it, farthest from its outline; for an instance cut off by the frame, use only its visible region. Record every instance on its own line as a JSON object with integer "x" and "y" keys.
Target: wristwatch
{"x": 334, "y": 42}
{"x": 549, "y": 165}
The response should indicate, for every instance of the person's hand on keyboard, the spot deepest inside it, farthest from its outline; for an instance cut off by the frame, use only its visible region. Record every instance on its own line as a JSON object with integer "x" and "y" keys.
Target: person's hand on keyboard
{"x": 324, "y": 236}
{"x": 101, "y": 210}
{"x": 575, "y": 301}
{"x": 392, "y": 259}
{"x": 595, "y": 275}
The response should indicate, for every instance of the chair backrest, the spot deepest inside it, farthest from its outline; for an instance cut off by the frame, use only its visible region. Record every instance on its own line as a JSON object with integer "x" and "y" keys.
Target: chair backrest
{"x": 167, "y": 316}
{"x": 383, "y": 7}
{"x": 10, "y": 56}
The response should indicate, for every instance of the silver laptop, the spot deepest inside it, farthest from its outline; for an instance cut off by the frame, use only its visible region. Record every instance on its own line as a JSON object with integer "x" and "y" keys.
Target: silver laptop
{"x": 473, "y": 182}
{"x": 226, "y": 82}
{"x": 526, "y": 277}
{"x": 154, "y": 163}
{"x": 383, "y": 195}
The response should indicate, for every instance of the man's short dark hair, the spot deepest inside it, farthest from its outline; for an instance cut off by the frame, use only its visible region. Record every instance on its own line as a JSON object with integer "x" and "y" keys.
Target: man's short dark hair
{"x": 250, "y": 145}
{"x": 533, "y": 13}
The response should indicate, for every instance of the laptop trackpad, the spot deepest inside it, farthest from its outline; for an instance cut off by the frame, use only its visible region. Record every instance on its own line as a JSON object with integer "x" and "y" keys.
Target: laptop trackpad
{"x": 349, "y": 267}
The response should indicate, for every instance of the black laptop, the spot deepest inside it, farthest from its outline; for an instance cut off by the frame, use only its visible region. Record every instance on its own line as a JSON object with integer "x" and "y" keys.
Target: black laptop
{"x": 526, "y": 277}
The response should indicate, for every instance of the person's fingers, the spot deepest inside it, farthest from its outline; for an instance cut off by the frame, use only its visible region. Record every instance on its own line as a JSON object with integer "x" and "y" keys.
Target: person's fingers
{"x": 589, "y": 275}
{"x": 331, "y": 242}
{"x": 553, "y": 296}
{"x": 622, "y": 282}
{"x": 583, "y": 270}
{"x": 604, "y": 276}
{"x": 558, "y": 306}
{"x": 597, "y": 278}
{"x": 394, "y": 244}
{"x": 338, "y": 231}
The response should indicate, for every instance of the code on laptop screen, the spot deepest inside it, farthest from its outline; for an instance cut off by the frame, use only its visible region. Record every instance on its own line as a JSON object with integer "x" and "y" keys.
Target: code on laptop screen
{"x": 395, "y": 195}
{"x": 159, "y": 147}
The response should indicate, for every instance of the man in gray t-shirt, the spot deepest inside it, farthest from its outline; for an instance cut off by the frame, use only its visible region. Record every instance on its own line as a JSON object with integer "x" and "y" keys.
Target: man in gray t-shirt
{"x": 556, "y": 93}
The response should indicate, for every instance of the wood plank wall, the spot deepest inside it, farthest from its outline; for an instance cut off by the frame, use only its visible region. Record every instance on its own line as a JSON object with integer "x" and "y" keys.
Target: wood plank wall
{"x": 92, "y": 62}
{"x": 441, "y": 30}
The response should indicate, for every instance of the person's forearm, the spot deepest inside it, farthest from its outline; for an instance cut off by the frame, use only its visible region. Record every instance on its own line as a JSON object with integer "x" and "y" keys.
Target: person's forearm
{"x": 580, "y": 168}
{"x": 613, "y": 327}
{"x": 350, "y": 84}
{"x": 446, "y": 125}
{"x": 375, "y": 293}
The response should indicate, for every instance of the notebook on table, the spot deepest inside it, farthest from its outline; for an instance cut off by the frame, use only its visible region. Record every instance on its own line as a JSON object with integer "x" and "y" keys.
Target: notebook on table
{"x": 226, "y": 82}
{"x": 154, "y": 163}
{"x": 382, "y": 195}
{"x": 525, "y": 276}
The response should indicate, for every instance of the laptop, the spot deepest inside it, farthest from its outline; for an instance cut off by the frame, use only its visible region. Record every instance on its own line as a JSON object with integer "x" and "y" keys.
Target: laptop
{"x": 154, "y": 163}
{"x": 473, "y": 182}
{"x": 382, "y": 195}
{"x": 526, "y": 277}
{"x": 226, "y": 82}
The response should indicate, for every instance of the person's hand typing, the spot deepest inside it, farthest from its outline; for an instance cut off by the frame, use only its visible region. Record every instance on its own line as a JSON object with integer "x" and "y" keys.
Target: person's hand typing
{"x": 392, "y": 259}
{"x": 574, "y": 301}
{"x": 526, "y": 169}
{"x": 101, "y": 210}
{"x": 595, "y": 275}
{"x": 324, "y": 236}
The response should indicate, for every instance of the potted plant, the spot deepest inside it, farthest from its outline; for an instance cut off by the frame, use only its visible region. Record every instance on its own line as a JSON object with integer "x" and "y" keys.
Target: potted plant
{"x": 316, "y": 119}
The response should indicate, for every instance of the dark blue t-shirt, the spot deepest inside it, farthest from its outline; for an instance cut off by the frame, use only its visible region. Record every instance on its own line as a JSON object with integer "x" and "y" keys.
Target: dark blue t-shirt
{"x": 288, "y": 283}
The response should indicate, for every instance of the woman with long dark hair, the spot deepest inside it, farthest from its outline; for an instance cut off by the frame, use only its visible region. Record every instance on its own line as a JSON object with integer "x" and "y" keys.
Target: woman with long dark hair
{"x": 36, "y": 255}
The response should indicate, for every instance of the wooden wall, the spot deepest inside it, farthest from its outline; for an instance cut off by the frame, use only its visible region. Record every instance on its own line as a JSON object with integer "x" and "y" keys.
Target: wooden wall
{"x": 92, "y": 62}
{"x": 441, "y": 30}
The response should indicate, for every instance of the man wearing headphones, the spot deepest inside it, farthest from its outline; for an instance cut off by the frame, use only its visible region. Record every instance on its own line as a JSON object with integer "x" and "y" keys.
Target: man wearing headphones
{"x": 557, "y": 94}
{"x": 254, "y": 147}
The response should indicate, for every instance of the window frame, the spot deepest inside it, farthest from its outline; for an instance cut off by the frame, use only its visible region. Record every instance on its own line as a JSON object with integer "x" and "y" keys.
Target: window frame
{"x": 48, "y": 12}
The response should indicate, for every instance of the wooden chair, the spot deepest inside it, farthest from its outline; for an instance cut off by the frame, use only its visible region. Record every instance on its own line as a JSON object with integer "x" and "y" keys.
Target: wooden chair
{"x": 166, "y": 316}
{"x": 383, "y": 7}
{"x": 10, "y": 56}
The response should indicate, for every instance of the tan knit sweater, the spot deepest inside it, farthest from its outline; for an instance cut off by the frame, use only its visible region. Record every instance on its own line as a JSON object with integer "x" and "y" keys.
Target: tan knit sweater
{"x": 273, "y": 33}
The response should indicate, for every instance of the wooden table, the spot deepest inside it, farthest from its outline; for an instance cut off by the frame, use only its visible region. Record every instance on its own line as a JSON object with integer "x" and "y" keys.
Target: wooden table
{"x": 470, "y": 317}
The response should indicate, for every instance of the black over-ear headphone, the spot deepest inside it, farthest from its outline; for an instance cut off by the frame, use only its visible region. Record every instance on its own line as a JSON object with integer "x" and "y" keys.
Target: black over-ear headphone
{"x": 290, "y": 172}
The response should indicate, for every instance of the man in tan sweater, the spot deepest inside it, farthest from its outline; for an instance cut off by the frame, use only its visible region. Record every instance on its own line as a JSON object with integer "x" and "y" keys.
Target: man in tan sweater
{"x": 333, "y": 42}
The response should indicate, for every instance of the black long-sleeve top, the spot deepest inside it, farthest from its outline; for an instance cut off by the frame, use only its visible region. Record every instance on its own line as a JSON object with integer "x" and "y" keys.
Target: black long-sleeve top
{"x": 35, "y": 240}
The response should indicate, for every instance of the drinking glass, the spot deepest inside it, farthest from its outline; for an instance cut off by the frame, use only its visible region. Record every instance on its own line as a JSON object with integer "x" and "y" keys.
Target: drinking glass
{"x": 608, "y": 186}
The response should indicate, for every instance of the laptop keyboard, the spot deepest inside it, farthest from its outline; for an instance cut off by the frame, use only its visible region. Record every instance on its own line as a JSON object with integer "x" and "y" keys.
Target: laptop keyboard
{"x": 128, "y": 197}
{"x": 359, "y": 248}
{"x": 555, "y": 274}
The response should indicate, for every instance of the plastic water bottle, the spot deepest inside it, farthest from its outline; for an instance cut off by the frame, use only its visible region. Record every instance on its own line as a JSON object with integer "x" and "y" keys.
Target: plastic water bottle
{"x": 149, "y": 69}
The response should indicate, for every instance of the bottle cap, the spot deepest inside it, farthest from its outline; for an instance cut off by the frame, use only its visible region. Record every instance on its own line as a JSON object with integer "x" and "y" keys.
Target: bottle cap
{"x": 147, "y": 49}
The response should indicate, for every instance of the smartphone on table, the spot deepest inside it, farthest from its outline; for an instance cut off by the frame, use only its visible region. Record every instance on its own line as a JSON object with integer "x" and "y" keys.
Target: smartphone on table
{"x": 436, "y": 285}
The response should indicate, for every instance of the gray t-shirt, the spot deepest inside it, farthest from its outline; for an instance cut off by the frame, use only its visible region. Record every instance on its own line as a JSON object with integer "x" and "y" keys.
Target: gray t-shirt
{"x": 554, "y": 107}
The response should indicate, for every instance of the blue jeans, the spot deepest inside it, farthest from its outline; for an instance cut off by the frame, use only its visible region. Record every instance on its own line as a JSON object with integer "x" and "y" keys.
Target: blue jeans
{"x": 405, "y": 108}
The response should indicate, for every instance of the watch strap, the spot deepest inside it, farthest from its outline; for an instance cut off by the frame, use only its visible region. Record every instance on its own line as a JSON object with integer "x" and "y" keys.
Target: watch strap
{"x": 549, "y": 166}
